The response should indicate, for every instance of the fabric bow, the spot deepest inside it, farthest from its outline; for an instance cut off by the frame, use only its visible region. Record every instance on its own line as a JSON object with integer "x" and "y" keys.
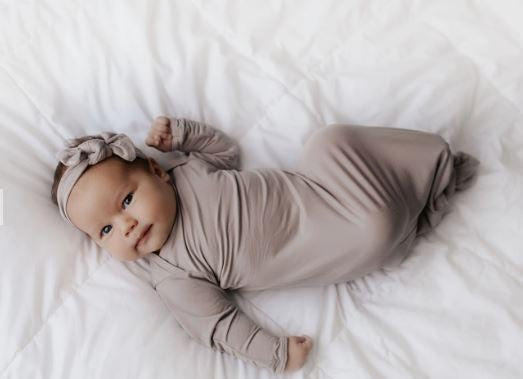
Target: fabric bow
{"x": 96, "y": 148}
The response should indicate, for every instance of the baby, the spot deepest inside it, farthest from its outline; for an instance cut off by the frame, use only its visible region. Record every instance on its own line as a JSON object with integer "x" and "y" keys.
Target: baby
{"x": 355, "y": 202}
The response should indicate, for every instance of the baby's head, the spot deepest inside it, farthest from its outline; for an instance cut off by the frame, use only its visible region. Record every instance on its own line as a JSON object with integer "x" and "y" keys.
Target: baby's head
{"x": 118, "y": 196}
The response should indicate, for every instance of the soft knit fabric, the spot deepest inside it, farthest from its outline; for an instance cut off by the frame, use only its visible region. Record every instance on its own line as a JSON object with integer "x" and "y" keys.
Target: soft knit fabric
{"x": 355, "y": 202}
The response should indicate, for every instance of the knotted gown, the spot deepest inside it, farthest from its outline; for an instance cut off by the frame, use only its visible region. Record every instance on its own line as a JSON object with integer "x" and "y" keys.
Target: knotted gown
{"x": 356, "y": 200}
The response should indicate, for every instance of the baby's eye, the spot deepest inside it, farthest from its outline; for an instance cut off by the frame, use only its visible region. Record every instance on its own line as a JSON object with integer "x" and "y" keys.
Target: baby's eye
{"x": 106, "y": 229}
{"x": 128, "y": 197}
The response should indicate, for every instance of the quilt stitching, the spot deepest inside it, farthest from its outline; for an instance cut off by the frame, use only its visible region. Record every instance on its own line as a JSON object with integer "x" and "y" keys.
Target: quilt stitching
{"x": 287, "y": 88}
{"x": 56, "y": 127}
{"x": 74, "y": 289}
{"x": 29, "y": 40}
{"x": 471, "y": 60}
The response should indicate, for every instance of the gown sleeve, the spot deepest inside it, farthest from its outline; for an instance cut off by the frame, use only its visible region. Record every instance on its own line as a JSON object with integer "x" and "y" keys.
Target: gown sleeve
{"x": 206, "y": 314}
{"x": 205, "y": 142}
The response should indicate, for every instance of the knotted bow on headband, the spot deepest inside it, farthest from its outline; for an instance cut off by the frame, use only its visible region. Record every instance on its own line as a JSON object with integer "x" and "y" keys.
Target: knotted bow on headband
{"x": 87, "y": 151}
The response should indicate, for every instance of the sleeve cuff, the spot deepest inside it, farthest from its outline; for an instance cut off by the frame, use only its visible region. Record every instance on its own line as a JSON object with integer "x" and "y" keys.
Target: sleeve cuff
{"x": 177, "y": 126}
{"x": 280, "y": 355}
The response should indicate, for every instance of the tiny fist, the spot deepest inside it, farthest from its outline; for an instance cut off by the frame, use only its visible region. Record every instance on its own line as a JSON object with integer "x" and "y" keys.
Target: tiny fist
{"x": 307, "y": 340}
{"x": 162, "y": 120}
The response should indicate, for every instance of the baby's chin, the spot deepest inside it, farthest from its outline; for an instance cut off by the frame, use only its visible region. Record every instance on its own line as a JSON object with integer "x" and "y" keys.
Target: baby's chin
{"x": 136, "y": 256}
{"x": 152, "y": 246}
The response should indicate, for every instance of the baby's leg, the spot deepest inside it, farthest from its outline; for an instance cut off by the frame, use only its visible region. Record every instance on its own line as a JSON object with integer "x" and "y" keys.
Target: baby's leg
{"x": 409, "y": 172}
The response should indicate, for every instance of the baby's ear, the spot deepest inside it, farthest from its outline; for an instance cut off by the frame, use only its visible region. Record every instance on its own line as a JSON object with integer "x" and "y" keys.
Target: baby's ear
{"x": 156, "y": 169}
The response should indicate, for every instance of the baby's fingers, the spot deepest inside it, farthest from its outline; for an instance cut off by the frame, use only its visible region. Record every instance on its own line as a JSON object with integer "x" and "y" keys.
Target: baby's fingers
{"x": 162, "y": 125}
{"x": 156, "y": 139}
{"x": 152, "y": 140}
{"x": 162, "y": 120}
{"x": 149, "y": 140}
{"x": 306, "y": 342}
{"x": 303, "y": 339}
{"x": 160, "y": 134}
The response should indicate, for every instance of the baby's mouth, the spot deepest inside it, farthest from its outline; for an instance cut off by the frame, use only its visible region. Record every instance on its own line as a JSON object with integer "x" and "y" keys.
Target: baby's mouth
{"x": 143, "y": 236}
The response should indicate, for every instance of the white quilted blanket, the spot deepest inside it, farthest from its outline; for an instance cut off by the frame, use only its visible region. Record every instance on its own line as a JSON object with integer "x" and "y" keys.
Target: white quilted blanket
{"x": 267, "y": 73}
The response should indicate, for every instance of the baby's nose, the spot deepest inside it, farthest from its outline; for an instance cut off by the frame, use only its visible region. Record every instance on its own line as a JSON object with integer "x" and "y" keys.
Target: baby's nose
{"x": 128, "y": 226}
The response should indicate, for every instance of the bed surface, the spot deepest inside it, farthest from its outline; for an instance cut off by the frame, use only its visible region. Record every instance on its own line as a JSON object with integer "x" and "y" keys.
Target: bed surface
{"x": 268, "y": 74}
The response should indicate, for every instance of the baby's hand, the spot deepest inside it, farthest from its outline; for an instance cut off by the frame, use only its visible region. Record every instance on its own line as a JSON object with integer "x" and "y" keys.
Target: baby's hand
{"x": 298, "y": 349}
{"x": 160, "y": 134}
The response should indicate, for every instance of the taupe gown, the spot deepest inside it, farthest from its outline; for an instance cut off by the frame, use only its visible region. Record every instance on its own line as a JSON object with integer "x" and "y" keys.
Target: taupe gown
{"x": 355, "y": 202}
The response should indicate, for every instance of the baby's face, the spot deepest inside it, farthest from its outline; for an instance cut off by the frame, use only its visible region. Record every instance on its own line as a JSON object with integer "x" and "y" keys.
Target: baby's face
{"x": 115, "y": 203}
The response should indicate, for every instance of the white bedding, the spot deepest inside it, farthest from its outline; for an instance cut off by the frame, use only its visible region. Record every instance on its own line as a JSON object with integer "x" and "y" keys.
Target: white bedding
{"x": 268, "y": 73}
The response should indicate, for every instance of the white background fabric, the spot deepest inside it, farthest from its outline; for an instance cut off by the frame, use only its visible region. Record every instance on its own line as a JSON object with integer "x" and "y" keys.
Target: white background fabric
{"x": 267, "y": 73}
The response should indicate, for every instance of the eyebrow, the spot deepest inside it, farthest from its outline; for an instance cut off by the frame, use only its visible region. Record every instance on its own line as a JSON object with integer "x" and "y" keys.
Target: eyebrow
{"x": 119, "y": 194}
{"x": 116, "y": 201}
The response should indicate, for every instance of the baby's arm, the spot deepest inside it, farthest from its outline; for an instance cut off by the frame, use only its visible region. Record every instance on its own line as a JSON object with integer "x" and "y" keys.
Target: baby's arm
{"x": 206, "y": 314}
{"x": 198, "y": 139}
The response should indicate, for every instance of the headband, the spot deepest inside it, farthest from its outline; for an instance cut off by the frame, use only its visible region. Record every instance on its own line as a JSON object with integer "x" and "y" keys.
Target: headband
{"x": 87, "y": 151}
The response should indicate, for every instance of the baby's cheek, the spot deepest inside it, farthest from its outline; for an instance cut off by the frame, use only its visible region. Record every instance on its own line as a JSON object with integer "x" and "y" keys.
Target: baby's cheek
{"x": 114, "y": 250}
{"x": 159, "y": 206}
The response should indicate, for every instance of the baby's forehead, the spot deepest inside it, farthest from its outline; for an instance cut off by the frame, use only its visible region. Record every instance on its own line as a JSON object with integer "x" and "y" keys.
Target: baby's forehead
{"x": 104, "y": 176}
